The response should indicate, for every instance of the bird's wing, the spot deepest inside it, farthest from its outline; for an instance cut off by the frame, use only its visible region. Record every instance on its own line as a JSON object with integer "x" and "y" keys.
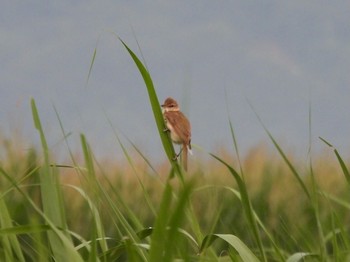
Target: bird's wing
{"x": 180, "y": 124}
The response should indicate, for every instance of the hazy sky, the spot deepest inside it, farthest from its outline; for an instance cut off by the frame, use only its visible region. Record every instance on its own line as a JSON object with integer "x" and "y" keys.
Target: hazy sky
{"x": 281, "y": 56}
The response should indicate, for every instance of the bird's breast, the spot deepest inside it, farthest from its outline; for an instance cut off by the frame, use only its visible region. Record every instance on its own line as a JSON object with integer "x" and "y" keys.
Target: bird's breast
{"x": 173, "y": 135}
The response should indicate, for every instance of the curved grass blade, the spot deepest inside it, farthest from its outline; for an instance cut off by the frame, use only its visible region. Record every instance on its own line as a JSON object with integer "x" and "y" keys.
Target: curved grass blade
{"x": 177, "y": 217}
{"x": 262, "y": 226}
{"x": 235, "y": 144}
{"x": 10, "y": 245}
{"x": 335, "y": 199}
{"x": 158, "y": 243}
{"x": 167, "y": 144}
{"x": 148, "y": 162}
{"x": 98, "y": 229}
{"x": 100, "y": 193}
{"x": 340, "y": 160}
{"x": 165, "y": 241}
{"x": 247, "y": 206}
{"x": 91, "y": 65}
{"x": 148, "y": 232}
{"x": 92, "y": 62}
{"x": 50, "y": 188}
{"x": 51, "y": 195}
{"x": 132, "y": 165}
{"x": 244, "y": 252}
{"x": 65, "y": 246}
{"x": 65, "y": 136}
{"x": 283, "y": 155}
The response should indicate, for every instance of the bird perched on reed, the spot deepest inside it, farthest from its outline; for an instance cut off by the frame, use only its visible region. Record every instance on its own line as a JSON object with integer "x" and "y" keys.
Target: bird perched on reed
{"x": 179, "y": 127}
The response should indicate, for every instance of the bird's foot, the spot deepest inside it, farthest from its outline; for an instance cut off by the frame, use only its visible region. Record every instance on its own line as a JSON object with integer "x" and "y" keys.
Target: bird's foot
{"x": 176, "y": 157}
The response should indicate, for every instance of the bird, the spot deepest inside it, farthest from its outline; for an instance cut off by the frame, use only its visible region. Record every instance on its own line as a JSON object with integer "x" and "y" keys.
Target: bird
{"x": 179, "y": 127}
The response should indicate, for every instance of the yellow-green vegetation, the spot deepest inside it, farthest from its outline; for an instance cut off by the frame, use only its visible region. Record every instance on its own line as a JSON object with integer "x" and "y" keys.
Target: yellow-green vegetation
{"x": 268, "y": 205}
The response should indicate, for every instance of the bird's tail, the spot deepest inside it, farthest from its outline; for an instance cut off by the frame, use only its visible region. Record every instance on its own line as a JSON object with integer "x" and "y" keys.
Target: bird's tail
{"x": 184, "y": 156}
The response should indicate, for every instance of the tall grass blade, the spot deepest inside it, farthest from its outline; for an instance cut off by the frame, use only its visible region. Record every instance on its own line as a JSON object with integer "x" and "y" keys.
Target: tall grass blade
{"x": 289, "y": 164}
{"x": 236, "y": 148}
{"x": 116, "y": 205}
{"x": 10, "y": 245}
{"x": 93, "y": 183}
{"x": 283, "y": 155}
{"x": 247, "y": 206}
{"x": 51, "y": 193}
{"x": 98, "y": 229}
{"x": 165, "y": 239}
{"x": 148, "y": 162}
{"x": 65, "y": 135}
{"x": 100, "y": 194}
{"x": 91, "y": 65}
{"x": 92, "y": 62}
{"x": 139, "y": 47}
{"x": 260, "y": 223}
{"x": 315, "y": 188}
{"x": 167, "y": 144}
{"x": 65, "y": 248}
{"x": 132, "y": 165}
{"x": 50, "y": 188}
{"x": 173, "y": 235}
{"x": 235, "y": 144}
{"x": 158, "y": 243}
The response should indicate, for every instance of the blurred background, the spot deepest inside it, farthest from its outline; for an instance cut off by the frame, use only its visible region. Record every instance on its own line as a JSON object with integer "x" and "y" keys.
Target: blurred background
{"x": 214, "y": 57}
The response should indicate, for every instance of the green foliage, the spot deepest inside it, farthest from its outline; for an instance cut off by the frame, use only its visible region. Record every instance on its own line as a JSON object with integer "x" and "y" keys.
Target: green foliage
{"x": 92, "y": 211}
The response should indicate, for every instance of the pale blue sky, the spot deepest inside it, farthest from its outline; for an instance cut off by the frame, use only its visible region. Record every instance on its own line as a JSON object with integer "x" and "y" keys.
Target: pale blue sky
{"x": 277, "y": 54}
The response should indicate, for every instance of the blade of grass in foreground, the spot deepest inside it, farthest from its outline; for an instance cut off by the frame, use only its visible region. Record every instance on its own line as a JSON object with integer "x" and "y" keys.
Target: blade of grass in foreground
{"x": 65, "y": 244}
{"x": 175, "y": 222}
{"x": 126, "y": 230}
{"x": 51, "y": 194}
{"x": 235, "y": 144}
{"x": 167, "y": 144}
{"x": 260, "y": 223}
{"x": 50, "y": 188}
{"x": 10, "y": 245}
{"x": 132, "y": 165}
{"x": 158, "y": 244}
{"x": 165, "y": 242}
{"x": 312, "y": 194}
{"x": 98, "y": 229}
{"x": 247, "y": 206}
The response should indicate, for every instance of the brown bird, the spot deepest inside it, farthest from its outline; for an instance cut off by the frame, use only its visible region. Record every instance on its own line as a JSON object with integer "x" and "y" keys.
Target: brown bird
{"x": 179, "y": 127}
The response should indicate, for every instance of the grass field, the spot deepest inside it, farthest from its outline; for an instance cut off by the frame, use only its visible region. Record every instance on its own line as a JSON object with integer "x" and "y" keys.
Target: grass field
{"x": 265, "y": 206}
